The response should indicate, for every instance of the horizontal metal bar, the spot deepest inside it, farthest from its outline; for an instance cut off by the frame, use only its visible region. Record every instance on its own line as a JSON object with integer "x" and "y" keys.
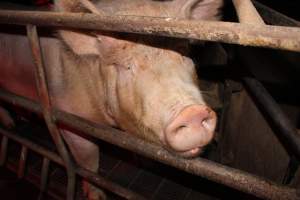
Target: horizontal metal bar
{"x": 234, "y": 178}
{"x": 277, "y": 37}
{"x": 88, "y": 175}
{"x": 33, "y": 146}
{"x": 105, "y": 183}
{"x": 286, "y": 129}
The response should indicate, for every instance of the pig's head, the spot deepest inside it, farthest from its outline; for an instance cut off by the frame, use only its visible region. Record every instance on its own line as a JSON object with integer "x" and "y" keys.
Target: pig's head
{"x": 151, "y": 89}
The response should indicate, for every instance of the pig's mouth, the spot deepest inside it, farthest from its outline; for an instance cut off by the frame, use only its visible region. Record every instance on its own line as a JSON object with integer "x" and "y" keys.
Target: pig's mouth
{"x": 190, "y": 153}
{"x": 191, "y": 130}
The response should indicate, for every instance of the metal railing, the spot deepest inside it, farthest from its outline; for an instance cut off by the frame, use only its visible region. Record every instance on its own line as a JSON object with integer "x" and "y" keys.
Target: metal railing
{"x": 237, "y": 33}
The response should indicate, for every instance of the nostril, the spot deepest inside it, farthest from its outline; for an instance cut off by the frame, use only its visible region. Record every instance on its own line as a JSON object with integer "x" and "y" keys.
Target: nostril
{"x": 192, "y": 128}
{"x": 179, "y": 128}
{"x": 208, "y": 123}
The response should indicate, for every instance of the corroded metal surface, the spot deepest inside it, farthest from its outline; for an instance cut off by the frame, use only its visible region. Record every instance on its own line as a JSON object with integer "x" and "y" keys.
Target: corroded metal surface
{"x": 227, "y": 32}
{"x": 244, "y": 34}
{"x": 234, "y": 178}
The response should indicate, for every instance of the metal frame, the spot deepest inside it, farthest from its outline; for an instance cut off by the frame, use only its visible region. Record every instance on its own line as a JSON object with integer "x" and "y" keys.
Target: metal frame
{"x": 228, "y": 32}
{"x": 237, "y": 33}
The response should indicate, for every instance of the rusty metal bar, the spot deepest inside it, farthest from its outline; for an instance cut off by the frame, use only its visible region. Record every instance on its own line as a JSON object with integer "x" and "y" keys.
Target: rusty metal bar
{"x": 33, "y": 146}
{"x": 234, "y": 178}
{"x": 247, "y": 13}
{"x": 287, "y": 130}
{"x": 88, "y": 175}
{"x": 22, "y": 162}
{"x": 3, "y": 152}
{"x": 46, "y": 105}
{"x": 105, "y": 183}
{"x": 227, "y": 32}
{"x": 44, "y": 177}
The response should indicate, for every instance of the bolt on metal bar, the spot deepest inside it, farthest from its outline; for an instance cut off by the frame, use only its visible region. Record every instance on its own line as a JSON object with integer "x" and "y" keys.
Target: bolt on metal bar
{"x": 227, "y": 32}
{"x": 46, "y": 105}
{"x": 22, "y": 162}
{"x": 88, "y": 175}
{"x": 233, "y": 178}
{"x": 44, "y": 177}
{"x": 3, "y": 152}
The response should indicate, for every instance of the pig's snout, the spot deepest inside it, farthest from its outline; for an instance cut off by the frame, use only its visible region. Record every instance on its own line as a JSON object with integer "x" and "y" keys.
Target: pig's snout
{"x": 192, "y": 129}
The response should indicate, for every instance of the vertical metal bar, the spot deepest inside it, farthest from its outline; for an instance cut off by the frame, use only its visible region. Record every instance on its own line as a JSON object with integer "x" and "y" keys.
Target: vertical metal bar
{"x": 247, "y": 13}
{"x": 4, "y": 143}
{"x": 22, "y": 162}
{"x": 3, "y": 155}
{"x": 47, "y": 112}
{"x": 44, "y": 177}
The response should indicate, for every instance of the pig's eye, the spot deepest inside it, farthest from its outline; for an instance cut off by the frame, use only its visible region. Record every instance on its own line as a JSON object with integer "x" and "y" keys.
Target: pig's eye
{"x": 126, "y": 67}
{"x": 130, "y": 66}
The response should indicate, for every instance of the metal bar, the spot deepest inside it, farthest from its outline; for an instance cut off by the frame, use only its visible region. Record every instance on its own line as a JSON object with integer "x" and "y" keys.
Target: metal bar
{"x": 44, "y": 177}
{"x": 227, "y": 32}
{"x": 33, "y": 146}
{"x": 247, "y": 13}
{"x": 46, "y": 105}
{"x": 3, "y": 152}
{"x": 22, "y": 162}
{"x": 105, "y": 183}
{"x": 234, "y": 178}
{"x": 89, "y": 175}
{"x": 273, "y": 17}
{"x": 287, "y": 130}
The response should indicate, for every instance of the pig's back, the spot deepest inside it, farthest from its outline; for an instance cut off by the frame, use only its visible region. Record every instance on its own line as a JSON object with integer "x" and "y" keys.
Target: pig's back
{"x": 134, "y": 8}
{"x": 17, "y": 66}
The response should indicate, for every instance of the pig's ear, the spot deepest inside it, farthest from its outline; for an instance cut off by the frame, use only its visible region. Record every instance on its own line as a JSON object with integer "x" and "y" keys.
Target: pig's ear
{"x": 198, "y": 9}
{"x": 68, "y": 6}
{"x": 80, "y": 43}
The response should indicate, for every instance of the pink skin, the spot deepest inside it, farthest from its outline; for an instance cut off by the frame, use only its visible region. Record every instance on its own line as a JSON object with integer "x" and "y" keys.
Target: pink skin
{"x": 151, "y": 92}
{"x": 191, "y": 130}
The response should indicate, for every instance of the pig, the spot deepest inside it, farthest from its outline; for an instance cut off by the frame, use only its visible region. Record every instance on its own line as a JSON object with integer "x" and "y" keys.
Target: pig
{"x": 146, "y": 86}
